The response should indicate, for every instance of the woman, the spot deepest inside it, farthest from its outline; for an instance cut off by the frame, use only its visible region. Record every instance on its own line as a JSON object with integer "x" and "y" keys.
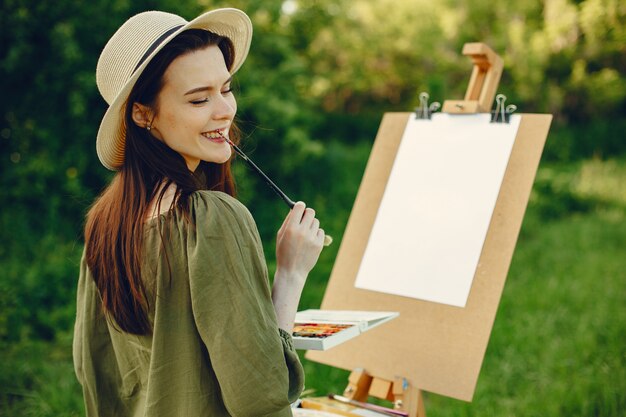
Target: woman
{"x": 175, "y": 316}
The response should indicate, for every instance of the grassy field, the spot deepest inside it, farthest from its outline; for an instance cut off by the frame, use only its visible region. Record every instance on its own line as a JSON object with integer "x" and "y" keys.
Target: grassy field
{"x": 558, "y": 346}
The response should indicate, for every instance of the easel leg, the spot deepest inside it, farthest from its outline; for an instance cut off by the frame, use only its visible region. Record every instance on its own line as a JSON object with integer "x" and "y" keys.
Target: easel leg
{"x": 358, "y": 385}
{"x": 404, "y": 396}
{"x": 408, "y": 398}
{"x": 417, "y": 403}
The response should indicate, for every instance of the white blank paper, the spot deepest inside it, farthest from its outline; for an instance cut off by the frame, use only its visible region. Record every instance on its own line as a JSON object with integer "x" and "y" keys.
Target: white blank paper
{"x": 435, "y": 212}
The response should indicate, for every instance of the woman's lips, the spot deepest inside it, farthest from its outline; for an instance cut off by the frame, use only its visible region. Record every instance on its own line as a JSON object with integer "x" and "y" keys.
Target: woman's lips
{"x": 215, "y": 135}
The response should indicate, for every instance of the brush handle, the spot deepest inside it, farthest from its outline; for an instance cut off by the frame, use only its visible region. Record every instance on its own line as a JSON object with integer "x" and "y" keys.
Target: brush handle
{"x": 368, "y": 406}
{"x": 327, "y": 239}
{"x": 268, "y": 181}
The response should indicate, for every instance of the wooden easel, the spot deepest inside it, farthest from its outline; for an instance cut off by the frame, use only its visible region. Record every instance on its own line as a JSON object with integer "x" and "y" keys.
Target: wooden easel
{"x": 445, "y": 346}
{"x": 361, "y": 386}
{"x": 402, "y": 395}
{"x": 483, "y": 83}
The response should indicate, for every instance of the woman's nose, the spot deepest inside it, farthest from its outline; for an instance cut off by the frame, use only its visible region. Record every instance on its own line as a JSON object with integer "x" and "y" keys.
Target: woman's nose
{"x": 225, "y": 108}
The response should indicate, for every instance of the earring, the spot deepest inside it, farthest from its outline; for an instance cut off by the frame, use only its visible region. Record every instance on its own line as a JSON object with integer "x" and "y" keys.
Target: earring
{"x": 148, "y": 127}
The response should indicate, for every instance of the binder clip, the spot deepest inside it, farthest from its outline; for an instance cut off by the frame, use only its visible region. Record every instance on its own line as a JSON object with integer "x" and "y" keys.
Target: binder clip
{"x": 424, "y": 111}
{"x": 502, "y": 114}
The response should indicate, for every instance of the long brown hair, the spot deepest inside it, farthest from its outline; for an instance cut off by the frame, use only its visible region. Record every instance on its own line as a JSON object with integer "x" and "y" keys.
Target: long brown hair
{"x": 115, "y": 222}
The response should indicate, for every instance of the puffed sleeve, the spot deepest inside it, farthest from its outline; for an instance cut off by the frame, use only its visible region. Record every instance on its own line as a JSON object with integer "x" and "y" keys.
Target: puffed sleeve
{"x": 257, "y": 368}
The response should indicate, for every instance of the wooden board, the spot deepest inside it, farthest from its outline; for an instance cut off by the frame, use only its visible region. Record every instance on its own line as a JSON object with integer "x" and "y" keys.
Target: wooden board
{"x": 438, "y": 348}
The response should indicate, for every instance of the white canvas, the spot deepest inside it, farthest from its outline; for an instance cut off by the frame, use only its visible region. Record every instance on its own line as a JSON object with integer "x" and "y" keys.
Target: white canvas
{"x": 435, "y": 212}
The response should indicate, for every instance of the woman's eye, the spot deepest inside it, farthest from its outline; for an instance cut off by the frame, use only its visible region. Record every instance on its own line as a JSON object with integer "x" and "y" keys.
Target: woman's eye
{"x": 206, "y": 100}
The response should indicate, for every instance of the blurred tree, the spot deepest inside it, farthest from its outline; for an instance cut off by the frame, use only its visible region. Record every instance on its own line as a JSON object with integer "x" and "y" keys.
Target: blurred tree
{"x": 49, "y": 172}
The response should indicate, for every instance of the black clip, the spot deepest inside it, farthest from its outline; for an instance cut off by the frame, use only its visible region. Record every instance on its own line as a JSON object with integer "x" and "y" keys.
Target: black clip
{"x": 502, "y": 114}
{"x": 424, "y": 111}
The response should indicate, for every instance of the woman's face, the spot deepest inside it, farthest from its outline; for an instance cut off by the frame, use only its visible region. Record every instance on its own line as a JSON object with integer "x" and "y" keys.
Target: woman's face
{"x": 195, "y": 104}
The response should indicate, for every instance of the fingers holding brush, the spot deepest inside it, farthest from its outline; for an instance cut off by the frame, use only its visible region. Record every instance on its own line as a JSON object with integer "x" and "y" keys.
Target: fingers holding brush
{"x": 307, "y": 218}
{"x": 322, "y": 238}
{"x": 298, "y": 245}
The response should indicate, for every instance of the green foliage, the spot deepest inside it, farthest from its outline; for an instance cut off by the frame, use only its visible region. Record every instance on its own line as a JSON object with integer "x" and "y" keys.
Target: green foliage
{"x": 319, "y": 77}
{"x": 37, "y": 379}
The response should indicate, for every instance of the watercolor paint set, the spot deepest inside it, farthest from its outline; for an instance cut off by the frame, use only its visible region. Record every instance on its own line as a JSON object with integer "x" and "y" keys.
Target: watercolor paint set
{"x": 324, "y": 329}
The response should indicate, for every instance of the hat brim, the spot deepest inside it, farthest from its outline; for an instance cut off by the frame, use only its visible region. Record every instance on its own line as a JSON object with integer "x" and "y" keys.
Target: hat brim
{"x": 231, "y": 23}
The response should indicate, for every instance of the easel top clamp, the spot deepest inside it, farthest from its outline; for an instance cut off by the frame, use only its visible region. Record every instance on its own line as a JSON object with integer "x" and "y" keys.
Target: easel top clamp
{"x": 430, "y": 346}
{"x": 483, "y": 83}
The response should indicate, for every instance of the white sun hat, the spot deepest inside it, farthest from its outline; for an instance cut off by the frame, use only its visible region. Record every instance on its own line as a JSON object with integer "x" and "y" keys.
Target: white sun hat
{"x": 133, "y": 46}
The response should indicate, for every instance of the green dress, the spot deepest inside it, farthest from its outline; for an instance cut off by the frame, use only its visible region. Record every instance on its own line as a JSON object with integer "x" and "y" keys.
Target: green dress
{"x": 216, "y": 348}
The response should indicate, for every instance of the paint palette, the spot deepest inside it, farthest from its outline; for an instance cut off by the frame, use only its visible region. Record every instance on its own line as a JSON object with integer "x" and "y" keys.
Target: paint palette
{"x": 322, "y": 336}
{"x": 318, "y": 330}
{"x": 323, "y": 329}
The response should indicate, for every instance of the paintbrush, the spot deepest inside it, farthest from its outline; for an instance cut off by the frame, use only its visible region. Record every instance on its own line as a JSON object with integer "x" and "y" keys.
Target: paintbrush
{"x": 327, "y": 239}
{"x": 367, "y": 406}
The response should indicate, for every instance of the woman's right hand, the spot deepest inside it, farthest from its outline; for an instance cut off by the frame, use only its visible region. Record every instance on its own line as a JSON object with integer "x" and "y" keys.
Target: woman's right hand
{"x": 299, "y": 243}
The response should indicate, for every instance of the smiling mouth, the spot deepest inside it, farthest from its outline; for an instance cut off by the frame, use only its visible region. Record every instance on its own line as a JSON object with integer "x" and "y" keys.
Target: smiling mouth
{"x": 215, "y": 135}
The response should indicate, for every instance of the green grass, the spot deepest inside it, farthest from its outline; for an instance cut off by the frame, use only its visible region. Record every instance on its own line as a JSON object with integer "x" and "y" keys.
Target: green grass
{"x": 558, "y": 343}
{"x": 558, "y": 346}
{"x": 37, "y": 380}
